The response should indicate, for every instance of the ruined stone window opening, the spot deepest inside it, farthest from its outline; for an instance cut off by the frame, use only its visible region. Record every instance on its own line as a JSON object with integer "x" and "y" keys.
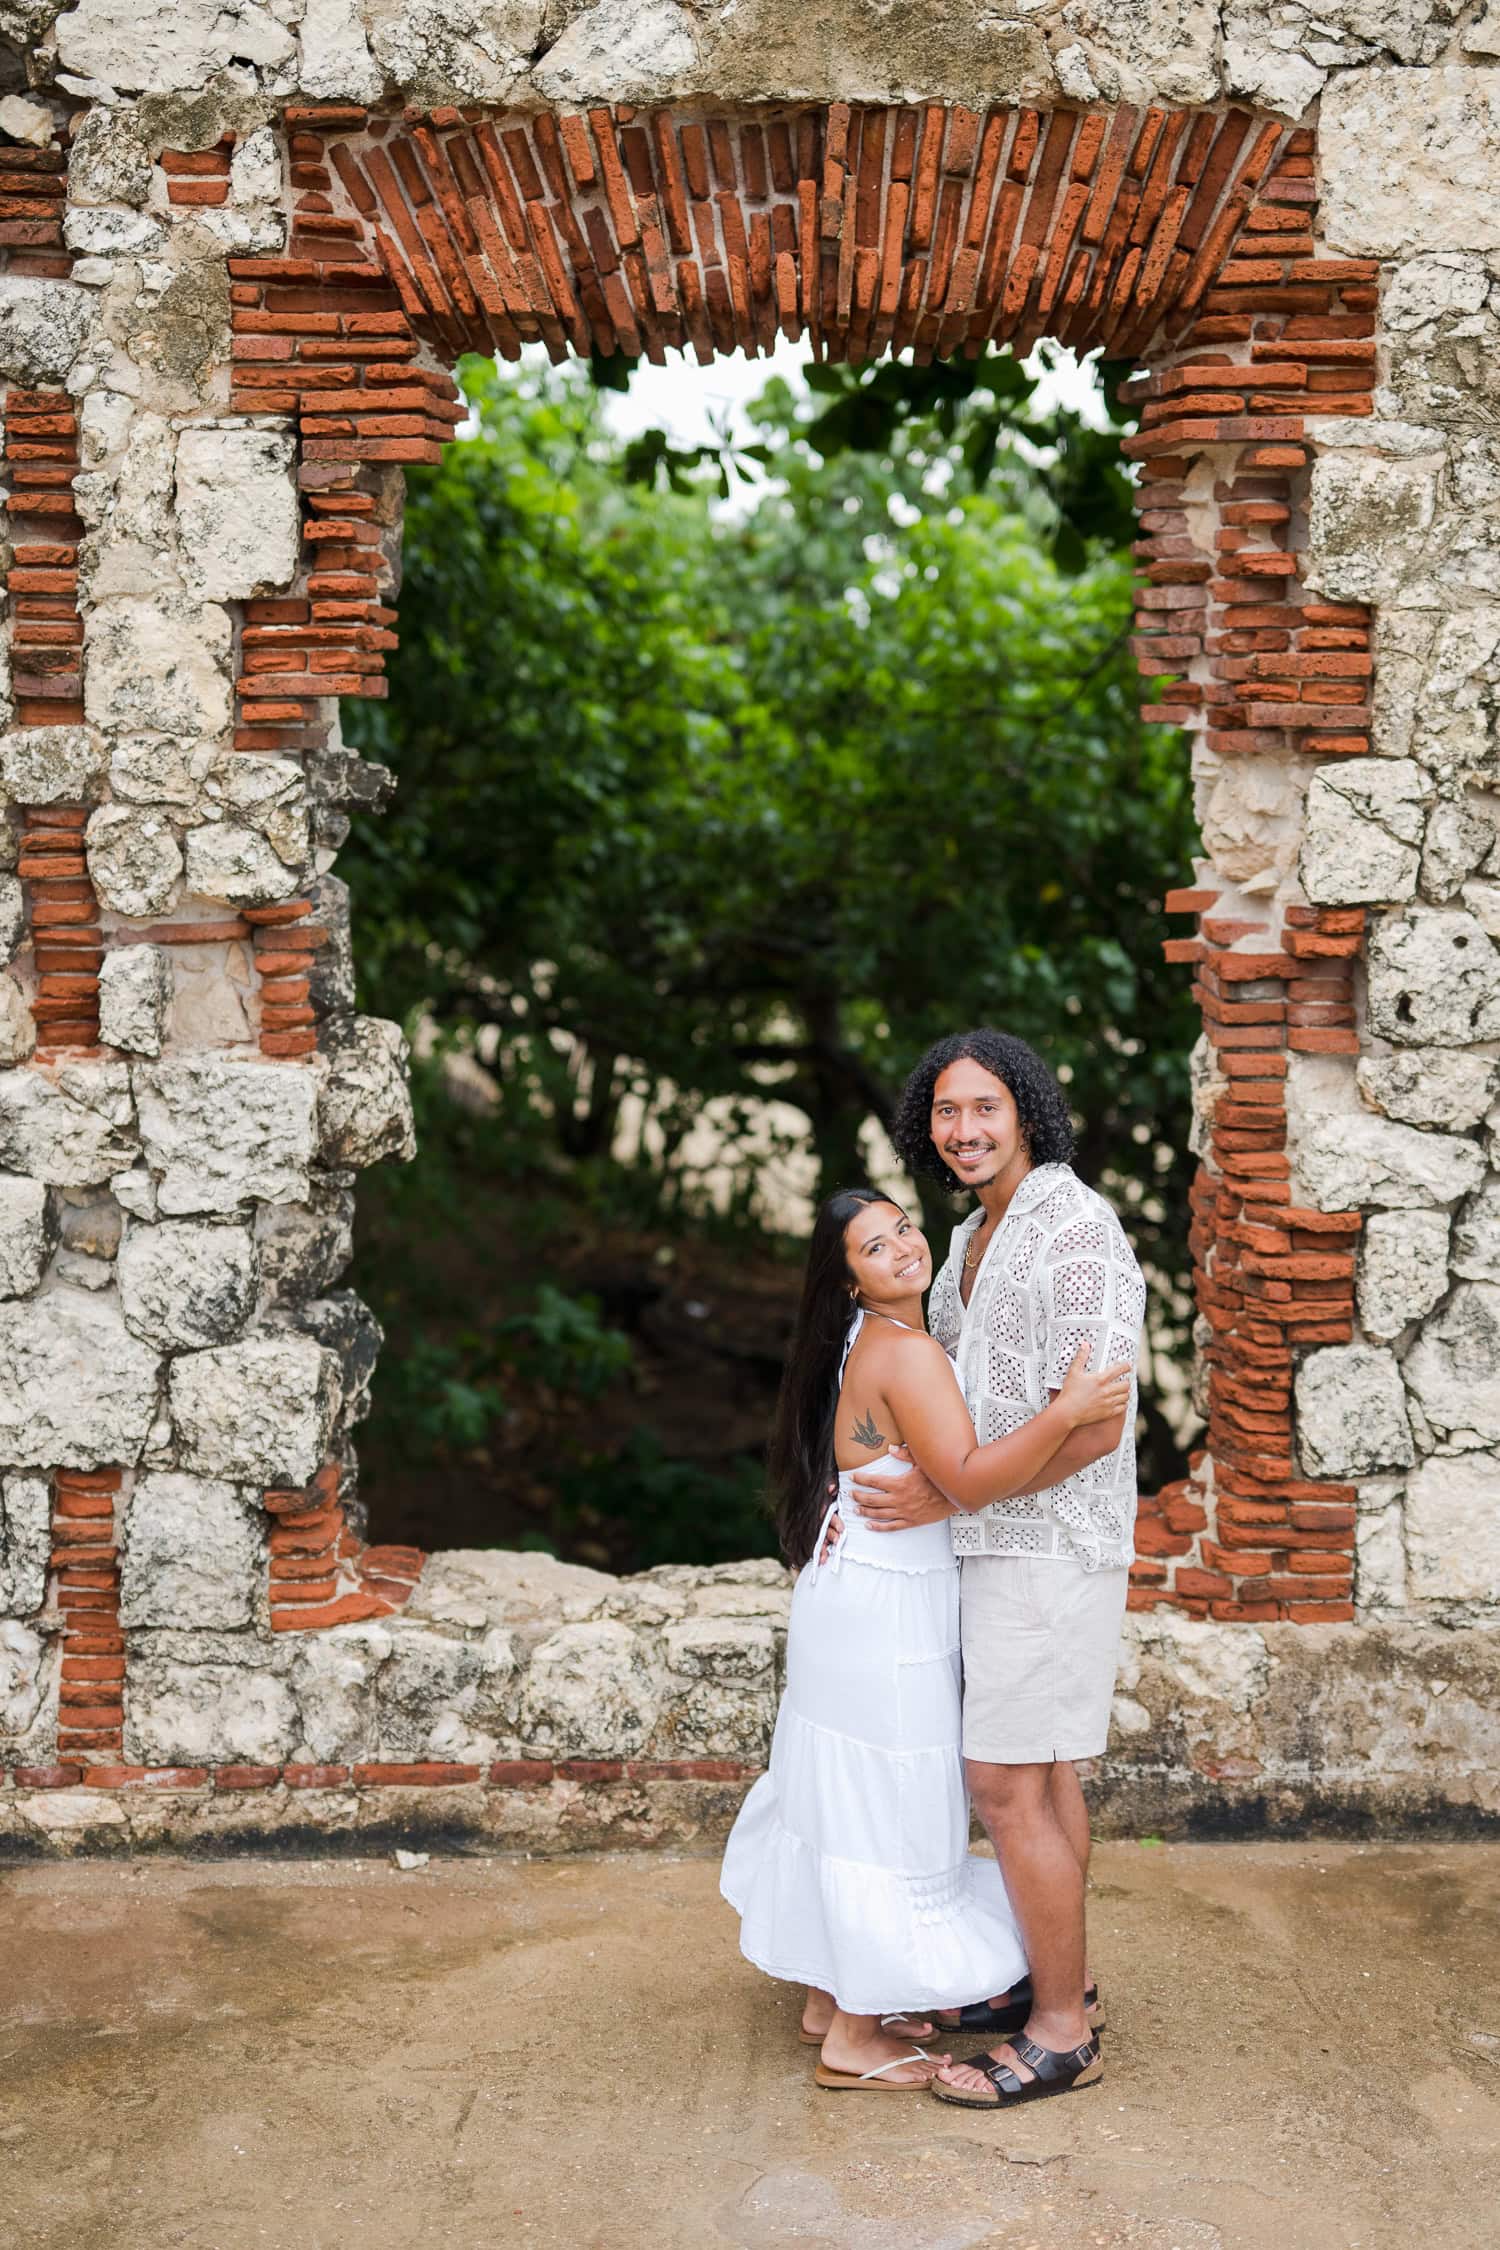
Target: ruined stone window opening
{"x": 1188, "y": 239}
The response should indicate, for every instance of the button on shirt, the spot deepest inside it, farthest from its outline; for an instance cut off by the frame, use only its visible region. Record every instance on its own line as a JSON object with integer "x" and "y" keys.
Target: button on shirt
{"x": 1058, "y": 1273}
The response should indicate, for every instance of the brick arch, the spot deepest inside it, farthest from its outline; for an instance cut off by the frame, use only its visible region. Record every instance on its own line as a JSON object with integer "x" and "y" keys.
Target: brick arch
{"x": 1181, "y": 240}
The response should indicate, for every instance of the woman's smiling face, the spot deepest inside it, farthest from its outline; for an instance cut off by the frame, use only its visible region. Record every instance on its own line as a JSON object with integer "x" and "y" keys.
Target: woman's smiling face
{"x": 889, "y": 1261}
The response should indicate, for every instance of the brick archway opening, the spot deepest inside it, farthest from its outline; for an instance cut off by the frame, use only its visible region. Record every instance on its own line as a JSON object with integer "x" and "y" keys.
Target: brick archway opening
{"x": 1181, "y": 240}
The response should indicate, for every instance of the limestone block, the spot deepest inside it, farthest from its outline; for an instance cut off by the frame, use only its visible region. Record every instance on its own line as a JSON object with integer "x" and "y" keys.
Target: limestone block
{"x": 1250, "y": 811}
{"x": 333, "y": 1678}
{"x": 1429, "y": 1086}
{"x": 344, "y": 1324}
{"x": 336, "y": 62}
{"x": 236, "y": 864}
{"x": 1408, "y": 161}
{"x": 1476, "y": 1236}
{"x": 43, "y": 325}
{"x": 186, "y": 1283}
{"x": 442, "y": 1698}
{"x": 73, "y": 1130}
{"x": 76, "y": 1388}
{"x": 723, "y": 1687}
{"x": 1482, "y": 898}
{"x": 1456, "y": 840}
{"x": 1434, "y": 979}
{"x": 12, "y": 916}
{"x": 1454, "y": 690}
{"x": 214, "y": 998}
{"x": 1344, "y": 1162}
{"x": 267, "y": 794}
{"x": 25, "y": 1544}
{"x": 169, "y": 46}
{"x": 193, "y": 1553}
{"x": 1351, "y": 1412}
{"x": 1442, "y": 320}
{"x": 331, "y": 983}
{"x": 641, "y": 49}
{"x": 1208, "y": 1085}
{"x": 1368, "y": 525}
{"x": 28, "y": 122}
{"x": 27, "y": 1232}
{"x": 364, "y": 1104}
{"x": 108, "y": 159}
{"x": 1199, "y": 1672}
{"x": 304, "y": 1247}
{"x": 255, "y": 174}
{"x": 112, "y": 234}
{"x": 1365, "y": 821}
{"x": 158, "y": 662}
{"x": 1380, "y": 1546}
{"x": 155, "y": 769}
{"x": 460, "y": 50}
{"x": 1453, "y": 1529}
{"x": 1403, "y": 1269}
{"x": 206, "y": 1714}
{"x": 1453, "y": 1369}
{"x": 592, "y": 1691}
{"x": 1152, "y": 49}
{"x": 135, "y": 989}
{"x": 475, "y": 1587}
{"x": 51, "y": 765}
{"x": 91, "y": 1226}
{"x": 23, "y": 1680}
{"x": 133, "y": 859}
{"x": 220, "y": 1131}
{"x": 237, "y": 510}
{"x": 261, "y": 1411}
{"x": 17, "y": 1024}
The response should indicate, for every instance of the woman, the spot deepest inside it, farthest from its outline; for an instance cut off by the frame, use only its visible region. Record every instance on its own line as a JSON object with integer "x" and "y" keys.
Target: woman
{"x": 849, "y": 1864}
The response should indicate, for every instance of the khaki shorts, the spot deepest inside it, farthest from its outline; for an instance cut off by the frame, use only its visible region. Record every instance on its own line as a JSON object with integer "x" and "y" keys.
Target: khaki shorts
{"x": 1041, "y": 1641}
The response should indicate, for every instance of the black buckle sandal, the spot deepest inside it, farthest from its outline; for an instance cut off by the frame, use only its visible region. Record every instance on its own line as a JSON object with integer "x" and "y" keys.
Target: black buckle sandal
{"x": 1055, "y": 2073}
{"x": 979, "y": 2016}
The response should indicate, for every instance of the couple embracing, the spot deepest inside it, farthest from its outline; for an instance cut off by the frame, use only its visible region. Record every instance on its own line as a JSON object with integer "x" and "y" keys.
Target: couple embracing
{"x": 960, "y": 1505}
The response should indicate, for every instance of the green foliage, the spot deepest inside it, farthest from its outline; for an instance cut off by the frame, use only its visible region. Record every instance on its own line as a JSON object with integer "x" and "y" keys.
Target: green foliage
{"x": 675, "y": 1508}
{"x": 703, "y": 804}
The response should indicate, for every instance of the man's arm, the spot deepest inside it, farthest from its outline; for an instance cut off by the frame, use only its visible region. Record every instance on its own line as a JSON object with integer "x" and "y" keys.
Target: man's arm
{"x": 901, "y": 1503}
{"x": 1090, "y": 1442}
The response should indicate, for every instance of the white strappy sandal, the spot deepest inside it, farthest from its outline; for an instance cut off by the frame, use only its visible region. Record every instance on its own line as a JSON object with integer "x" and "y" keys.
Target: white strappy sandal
{"x": 875, "y": 2081}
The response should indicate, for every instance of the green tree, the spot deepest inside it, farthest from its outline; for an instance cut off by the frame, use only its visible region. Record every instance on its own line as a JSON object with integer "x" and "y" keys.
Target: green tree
{"x": 761, "y": 799}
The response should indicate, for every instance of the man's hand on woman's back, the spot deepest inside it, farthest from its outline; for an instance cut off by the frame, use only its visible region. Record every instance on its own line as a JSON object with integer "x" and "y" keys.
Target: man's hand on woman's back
{"x": 899, "y": 1503}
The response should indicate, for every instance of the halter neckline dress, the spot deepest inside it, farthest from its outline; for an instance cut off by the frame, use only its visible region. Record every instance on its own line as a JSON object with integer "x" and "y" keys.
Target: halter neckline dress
{"x": 849, "y": 1864}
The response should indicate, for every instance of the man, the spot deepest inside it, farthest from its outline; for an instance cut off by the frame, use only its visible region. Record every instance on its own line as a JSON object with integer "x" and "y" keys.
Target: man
{"x": 1038, "y": 1268}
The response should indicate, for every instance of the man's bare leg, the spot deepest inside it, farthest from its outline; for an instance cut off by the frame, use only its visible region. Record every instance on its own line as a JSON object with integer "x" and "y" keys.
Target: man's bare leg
{"x": 1044, "y": 1877}
{"x": 1072, "y": 1817}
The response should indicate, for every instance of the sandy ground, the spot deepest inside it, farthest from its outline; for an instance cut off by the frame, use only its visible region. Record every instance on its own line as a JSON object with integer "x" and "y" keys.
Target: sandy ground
{"x": 1304, "y": 2054}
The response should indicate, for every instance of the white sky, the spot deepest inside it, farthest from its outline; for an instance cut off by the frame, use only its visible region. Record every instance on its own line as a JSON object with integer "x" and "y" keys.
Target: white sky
{"x": 680, "y": 397}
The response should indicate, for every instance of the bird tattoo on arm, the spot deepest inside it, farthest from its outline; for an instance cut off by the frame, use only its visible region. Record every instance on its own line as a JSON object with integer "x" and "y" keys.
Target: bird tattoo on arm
{"x": 865, "y": 1432}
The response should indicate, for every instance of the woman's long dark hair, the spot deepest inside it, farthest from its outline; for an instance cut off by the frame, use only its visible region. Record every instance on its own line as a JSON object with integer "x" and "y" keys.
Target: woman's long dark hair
{"x": 801, "y": 1456}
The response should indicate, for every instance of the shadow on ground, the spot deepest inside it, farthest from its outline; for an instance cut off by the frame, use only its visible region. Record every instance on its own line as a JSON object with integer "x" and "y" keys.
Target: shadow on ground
{"x": 1304, "y": 2053}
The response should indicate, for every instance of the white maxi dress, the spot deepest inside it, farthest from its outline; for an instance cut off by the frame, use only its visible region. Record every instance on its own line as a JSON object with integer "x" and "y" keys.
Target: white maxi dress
{"x": 849, "y": 1864}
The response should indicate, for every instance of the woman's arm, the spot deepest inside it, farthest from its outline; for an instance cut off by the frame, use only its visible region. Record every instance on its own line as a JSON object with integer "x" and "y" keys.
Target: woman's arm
{"x": 936, "y": 1426}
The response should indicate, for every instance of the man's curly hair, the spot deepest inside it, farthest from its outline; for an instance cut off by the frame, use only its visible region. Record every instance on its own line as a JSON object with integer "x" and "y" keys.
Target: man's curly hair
{"x": 1046, "y": 1127}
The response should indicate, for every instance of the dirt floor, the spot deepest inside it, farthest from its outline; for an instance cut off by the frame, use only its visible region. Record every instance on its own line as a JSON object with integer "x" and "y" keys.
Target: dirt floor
{"x": 1303, "y": 2054}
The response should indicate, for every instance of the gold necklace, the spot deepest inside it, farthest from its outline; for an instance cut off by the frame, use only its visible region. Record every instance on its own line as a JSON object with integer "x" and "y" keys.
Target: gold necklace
{"x": 972, "y": 1252}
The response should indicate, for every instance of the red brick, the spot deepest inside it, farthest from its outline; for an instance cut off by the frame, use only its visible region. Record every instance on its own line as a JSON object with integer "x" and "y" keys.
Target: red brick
{"x": 428, "y": 1775}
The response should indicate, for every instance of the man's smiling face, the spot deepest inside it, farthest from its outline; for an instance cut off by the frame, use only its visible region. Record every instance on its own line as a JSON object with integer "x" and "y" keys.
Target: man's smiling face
{"x": 975, "y": 1128}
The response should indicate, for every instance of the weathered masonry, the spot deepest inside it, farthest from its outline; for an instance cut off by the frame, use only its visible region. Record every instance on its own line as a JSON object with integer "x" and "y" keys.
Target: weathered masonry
{"x": 243, "y": 246}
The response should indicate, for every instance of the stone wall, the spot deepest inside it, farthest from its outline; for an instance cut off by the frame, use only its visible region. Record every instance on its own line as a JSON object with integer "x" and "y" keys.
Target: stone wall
{"x": 532, "y": 1705}
{"x": 242, "y": 247}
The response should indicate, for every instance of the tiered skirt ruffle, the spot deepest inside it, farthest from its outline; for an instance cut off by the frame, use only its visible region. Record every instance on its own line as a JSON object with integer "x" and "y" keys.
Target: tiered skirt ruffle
{"x": 849, "y": 1864}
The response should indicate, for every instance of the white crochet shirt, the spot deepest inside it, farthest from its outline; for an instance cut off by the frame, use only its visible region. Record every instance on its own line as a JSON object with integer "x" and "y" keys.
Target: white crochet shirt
{"x": 1058, "y": 1272}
